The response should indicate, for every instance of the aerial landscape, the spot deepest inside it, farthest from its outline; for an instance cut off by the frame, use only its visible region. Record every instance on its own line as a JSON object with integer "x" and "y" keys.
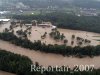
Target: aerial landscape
{"x": 49, "y": 37}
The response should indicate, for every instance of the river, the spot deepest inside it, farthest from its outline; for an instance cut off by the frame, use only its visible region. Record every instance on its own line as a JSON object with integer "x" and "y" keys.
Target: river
{"x": 5, "y": 73}
{"x": 50, "y": 59}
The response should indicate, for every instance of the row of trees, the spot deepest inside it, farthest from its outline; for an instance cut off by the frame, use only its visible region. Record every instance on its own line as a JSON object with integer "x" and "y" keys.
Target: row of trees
{"x": 63, "y": 20}
{"x": 21, "y": 65}
{"x": 80, "y": 41}
{"x": 56, "y": 35}
{"x": 23, "y": 33}
{"x": 14, "y": 63}
{"x": 57, "y": 49}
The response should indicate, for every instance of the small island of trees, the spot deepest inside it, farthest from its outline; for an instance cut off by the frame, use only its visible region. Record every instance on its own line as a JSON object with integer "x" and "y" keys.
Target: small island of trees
{"x": 58, "y": 49}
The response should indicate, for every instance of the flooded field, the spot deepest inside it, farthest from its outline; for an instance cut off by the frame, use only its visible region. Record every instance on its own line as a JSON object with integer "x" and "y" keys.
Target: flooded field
{"x": 37, "y": 32}
{"x": 53, "y": 59}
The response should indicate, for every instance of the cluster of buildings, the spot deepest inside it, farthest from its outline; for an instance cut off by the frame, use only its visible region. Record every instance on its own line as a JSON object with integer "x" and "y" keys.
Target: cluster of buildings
{"x": 87, "y": 12}
{"x": 34, "y": 23}
{"x": 43, "y": 24}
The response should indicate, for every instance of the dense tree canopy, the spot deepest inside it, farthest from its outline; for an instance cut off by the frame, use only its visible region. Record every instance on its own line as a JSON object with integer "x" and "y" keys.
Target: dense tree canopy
{"x": 21, "y": 65}
{"x": 58, "y": 49}
{"x": 14, "y": 63}
{"x": 63, "y": 20}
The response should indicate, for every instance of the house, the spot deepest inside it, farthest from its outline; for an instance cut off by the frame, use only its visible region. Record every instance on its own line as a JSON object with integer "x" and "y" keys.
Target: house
{"x": 54, "y": 27}
{"x": 5, "y": 20}
{"x": 28, "y": 24}
{"x": 45, "y": 24}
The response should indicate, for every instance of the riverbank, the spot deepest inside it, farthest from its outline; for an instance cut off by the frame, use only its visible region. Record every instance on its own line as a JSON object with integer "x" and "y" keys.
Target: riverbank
{"x": 50, "y": 59}
{"x": 5, "y": 73}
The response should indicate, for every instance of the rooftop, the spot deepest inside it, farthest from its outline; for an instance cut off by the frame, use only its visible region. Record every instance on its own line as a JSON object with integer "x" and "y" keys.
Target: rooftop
{"x": 4, "y": 19}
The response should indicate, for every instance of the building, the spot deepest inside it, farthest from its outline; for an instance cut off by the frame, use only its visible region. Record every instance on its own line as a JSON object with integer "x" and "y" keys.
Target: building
{"x": 45, "y": 24}
{"x": 54, "y": 27}
{"x": 5, "y": 20}
{"x": 28, "y": 24}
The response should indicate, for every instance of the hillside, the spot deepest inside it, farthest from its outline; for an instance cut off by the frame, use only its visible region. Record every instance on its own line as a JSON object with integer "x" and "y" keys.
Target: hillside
{"x": 47, "y": 3}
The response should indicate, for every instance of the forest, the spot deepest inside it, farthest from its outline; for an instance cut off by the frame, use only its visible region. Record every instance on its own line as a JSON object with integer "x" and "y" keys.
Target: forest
{"x": 64, "y": 20}
{"x": 14, "y": 63}
{"x": 21, "y": 65}
{"x": 64, "y": 50}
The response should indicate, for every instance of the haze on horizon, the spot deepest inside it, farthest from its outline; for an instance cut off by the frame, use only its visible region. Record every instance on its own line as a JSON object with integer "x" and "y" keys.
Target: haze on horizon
{"x": 46, "y": 3}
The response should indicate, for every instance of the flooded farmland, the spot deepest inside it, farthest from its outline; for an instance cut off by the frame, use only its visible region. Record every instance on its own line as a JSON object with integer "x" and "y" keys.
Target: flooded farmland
{"x": 53, "y": 59}
{"x": 37, "y": 32}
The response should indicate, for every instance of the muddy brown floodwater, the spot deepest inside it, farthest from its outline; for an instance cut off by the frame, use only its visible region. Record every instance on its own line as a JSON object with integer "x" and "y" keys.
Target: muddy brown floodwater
{"x": 50, "y": 59}
{"x": 37, "y": 32}
{"x": 5, "y": 73}
{"x": 36, "y": 35}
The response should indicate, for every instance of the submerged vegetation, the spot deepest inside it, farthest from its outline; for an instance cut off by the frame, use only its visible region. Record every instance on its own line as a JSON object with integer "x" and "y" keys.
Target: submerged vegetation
{"x": 56, "y": 35}
{"x": 63, "y": 20}
{"x": 57, "y": 49}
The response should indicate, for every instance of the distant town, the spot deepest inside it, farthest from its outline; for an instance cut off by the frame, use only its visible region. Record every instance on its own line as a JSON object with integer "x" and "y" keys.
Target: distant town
{"x": 49, "y": 37}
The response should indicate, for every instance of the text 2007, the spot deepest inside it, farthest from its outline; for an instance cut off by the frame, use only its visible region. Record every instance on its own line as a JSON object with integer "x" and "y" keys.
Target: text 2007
{"x": 83, "y": 68}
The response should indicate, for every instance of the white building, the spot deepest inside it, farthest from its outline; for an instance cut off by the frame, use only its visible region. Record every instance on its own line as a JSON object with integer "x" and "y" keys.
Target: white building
{"x": 28, "y": 24}
{"x": 5, "y": 20}
{"x": 54, "y": 27}
{"x": 46, "y": 24}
